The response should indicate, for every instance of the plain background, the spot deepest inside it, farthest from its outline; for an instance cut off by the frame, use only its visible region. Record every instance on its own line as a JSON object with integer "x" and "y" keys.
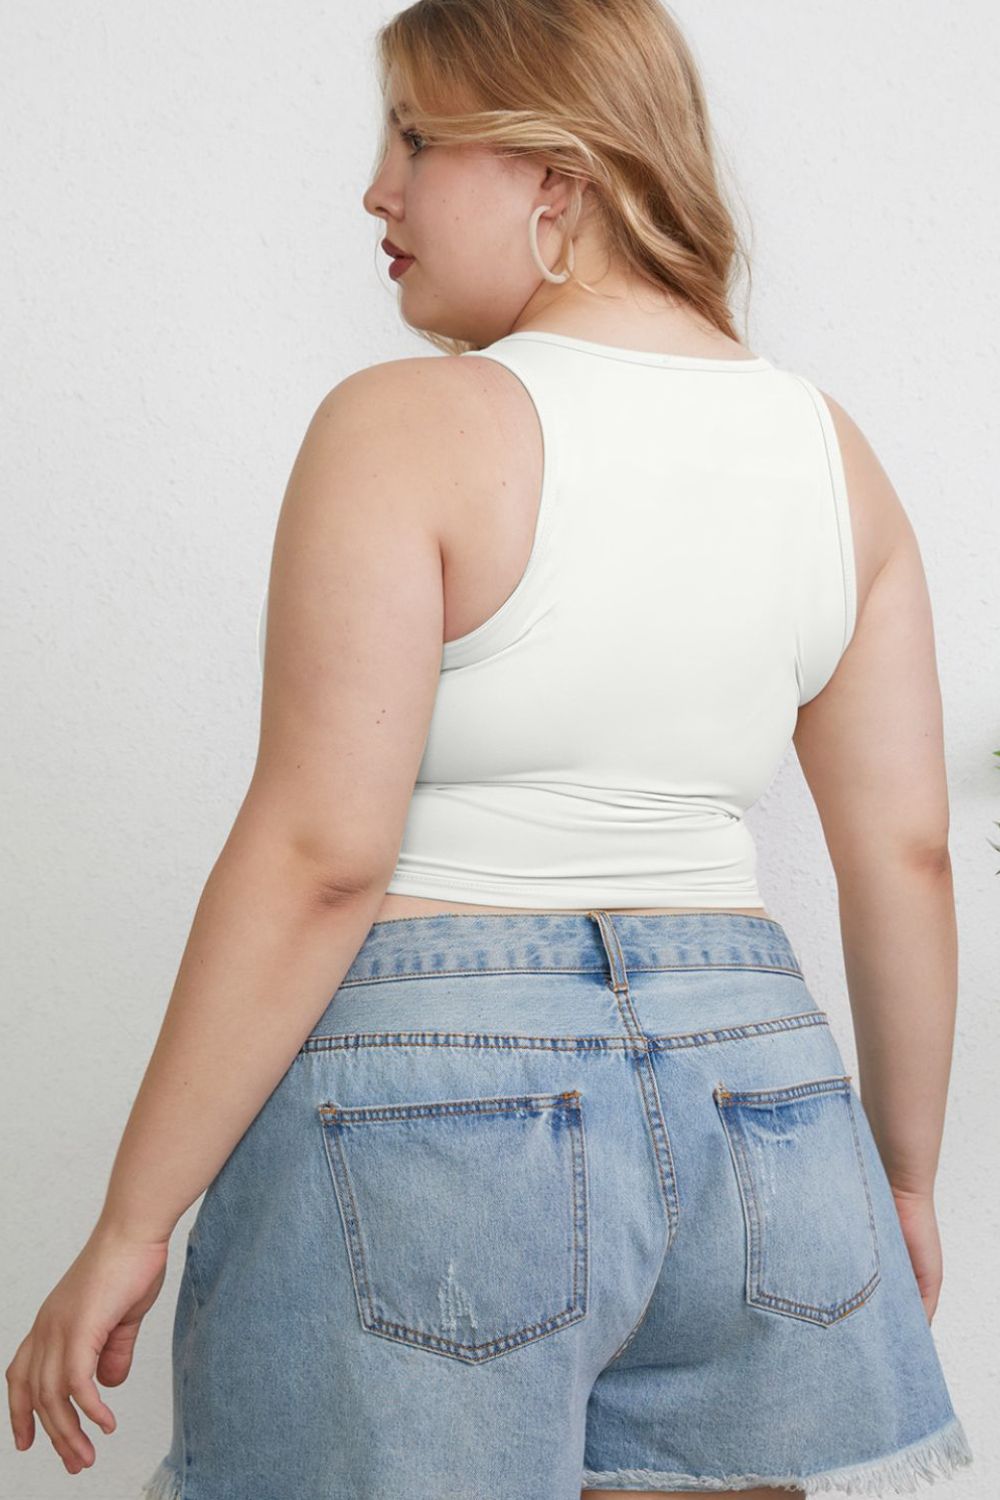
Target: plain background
{"x": 185, "y": 270}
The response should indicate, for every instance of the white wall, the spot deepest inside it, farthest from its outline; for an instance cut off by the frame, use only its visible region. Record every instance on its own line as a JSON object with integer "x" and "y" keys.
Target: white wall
{"x": 185, "y": 270}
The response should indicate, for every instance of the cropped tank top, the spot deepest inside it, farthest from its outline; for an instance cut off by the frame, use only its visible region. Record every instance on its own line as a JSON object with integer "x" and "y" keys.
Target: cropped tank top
{"x": 597, "y": 741}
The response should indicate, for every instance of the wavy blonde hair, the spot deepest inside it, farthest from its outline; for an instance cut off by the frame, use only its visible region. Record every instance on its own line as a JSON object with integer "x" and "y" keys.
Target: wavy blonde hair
{"x": 609, "y": 92}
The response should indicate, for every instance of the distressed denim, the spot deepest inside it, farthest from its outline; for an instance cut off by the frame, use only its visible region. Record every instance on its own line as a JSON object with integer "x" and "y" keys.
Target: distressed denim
{"x": 550, "y": 1201}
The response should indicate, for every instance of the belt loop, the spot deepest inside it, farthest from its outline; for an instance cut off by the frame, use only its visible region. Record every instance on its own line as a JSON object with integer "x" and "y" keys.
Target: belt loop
{"x": 612, "y": 949}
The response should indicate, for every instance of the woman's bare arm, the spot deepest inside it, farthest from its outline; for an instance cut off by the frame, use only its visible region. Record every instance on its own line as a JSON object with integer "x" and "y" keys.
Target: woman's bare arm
{"x": 354, "y": 639}
{"x": 871, "y": 747}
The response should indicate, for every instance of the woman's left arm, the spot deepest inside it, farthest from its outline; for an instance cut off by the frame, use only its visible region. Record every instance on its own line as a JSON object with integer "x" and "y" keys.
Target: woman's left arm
{"x": 354, "y": 636}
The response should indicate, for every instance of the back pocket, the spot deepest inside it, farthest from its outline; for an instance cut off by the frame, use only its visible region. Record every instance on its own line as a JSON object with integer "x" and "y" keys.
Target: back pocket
{"x": 465, "y": 1220}
{"x": 812, "y": 1248}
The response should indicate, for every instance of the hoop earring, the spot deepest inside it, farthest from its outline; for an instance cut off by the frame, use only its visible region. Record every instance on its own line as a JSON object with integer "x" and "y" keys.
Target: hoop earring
{"x": 536, "y": 257}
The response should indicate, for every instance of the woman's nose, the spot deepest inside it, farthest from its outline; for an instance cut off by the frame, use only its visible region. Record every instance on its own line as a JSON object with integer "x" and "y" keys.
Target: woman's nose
{"x": 380, "y": 198}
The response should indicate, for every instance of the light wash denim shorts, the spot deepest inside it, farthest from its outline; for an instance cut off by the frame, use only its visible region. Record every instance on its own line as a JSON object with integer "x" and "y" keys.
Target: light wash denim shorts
{"x": 553, "y": 1201}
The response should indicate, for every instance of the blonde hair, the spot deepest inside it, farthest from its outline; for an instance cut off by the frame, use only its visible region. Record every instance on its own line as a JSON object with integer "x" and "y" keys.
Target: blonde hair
{"x": 609, "y": 92}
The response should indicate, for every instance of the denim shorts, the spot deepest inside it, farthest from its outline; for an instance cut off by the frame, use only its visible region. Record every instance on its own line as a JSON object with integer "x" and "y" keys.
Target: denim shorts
{"x": 549, "y": 1201}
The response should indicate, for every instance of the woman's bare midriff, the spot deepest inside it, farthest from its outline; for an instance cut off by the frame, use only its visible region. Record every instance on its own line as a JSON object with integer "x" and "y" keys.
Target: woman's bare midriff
{"x": 394, "y": 906}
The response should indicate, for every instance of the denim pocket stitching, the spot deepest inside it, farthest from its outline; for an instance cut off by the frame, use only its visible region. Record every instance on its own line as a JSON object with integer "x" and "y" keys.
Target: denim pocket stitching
{"x": 335, "y": 1116}
{"x": 833, "y": 1085}
{"x": 754, "y": 1222}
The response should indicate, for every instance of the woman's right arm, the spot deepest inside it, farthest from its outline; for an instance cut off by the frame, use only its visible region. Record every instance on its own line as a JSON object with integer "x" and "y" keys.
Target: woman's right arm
{"x": 871, "y": 748}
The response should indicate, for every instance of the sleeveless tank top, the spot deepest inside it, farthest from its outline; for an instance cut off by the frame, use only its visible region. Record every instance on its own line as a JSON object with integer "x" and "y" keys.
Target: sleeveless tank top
{"x": 597, "y": 741}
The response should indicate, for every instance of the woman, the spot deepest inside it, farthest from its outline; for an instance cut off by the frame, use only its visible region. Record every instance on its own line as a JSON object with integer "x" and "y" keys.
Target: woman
{"x": 566, "y": 1188}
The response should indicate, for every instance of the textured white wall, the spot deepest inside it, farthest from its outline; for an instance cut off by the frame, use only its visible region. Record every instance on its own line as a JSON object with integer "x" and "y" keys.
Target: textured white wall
{"x": 185, "y": 269}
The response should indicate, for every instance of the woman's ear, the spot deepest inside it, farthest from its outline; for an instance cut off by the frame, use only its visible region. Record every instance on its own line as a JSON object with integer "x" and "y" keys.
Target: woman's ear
{"x": 561, "y": 191}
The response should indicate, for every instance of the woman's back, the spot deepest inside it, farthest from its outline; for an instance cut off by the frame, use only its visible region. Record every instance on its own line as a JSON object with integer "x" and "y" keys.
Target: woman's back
{"x": 669, "y": 541}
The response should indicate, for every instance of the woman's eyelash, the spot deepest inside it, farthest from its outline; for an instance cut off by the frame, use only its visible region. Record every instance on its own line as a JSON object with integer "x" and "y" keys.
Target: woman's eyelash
{"x": 409, "y": 135}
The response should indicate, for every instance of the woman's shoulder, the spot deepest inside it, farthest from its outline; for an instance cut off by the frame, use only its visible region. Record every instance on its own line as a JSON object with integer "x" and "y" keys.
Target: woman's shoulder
{"x": 430, "y": 394}
{"x": 417, "y": 373}
{"x": 434, "y": 424}
{"x": 879, "y": 521}
{"x": 452, "y": 406}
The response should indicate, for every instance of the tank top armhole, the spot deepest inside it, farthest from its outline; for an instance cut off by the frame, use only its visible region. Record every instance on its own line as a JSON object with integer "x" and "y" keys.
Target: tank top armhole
{"x": 842, "y": 509}
{"x": 846, "y": 562}
{"x": 505, "y": 624}
{"x": 513, "y": 617}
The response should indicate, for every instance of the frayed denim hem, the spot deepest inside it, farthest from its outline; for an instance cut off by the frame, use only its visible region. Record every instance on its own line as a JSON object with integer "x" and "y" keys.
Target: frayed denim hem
{"x": 934, "y": 1457}
{"x": 163, "y": 1484}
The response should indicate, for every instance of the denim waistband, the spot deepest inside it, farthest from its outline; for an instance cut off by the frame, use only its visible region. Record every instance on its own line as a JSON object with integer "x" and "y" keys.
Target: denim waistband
{"x": 569, "y": 942}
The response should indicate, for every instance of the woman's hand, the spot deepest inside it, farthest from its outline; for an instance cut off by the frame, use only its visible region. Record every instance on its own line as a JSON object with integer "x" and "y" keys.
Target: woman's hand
{"x": 86, "y": 1326}
{"x": 918, "y": 1218}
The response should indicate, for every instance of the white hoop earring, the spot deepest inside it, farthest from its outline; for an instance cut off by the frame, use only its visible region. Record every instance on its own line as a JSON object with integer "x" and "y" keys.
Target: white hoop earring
{"x": 536, "y": 257}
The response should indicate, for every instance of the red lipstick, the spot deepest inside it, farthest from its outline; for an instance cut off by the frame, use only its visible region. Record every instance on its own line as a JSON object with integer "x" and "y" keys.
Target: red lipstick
{"x": 401, "y": 260}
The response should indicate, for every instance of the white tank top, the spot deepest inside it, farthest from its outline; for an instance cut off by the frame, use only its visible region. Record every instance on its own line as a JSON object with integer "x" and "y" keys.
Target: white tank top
{"x": 596, "y": 742}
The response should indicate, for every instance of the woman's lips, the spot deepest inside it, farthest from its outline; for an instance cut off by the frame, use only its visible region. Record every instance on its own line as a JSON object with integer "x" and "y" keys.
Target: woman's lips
{"x": 400, "y": 259}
